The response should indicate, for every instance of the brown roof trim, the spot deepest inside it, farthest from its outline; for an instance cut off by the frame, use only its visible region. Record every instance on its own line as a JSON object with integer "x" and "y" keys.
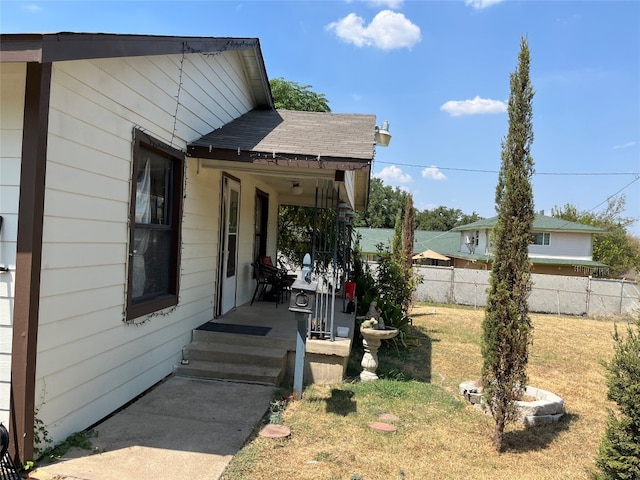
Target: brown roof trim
{"x": 283, "y": 160}
{"x": 54, "y": 47}
{"x": 29, "y": 258}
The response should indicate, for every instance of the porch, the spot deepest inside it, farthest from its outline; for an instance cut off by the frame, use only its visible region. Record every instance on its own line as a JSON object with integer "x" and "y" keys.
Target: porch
{"x": 266, "y": 354}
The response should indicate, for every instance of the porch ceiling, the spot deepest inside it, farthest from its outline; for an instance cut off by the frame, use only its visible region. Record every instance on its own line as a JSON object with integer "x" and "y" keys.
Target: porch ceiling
{"x": 282, "y": 178}
{"x": 308, "y": 148}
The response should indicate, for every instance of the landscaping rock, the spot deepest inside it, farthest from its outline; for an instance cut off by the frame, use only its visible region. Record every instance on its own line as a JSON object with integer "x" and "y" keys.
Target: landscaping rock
{"x": 275, "y": 431}
{"x": 546, "y": 408}
{"x": 383, "y": 427}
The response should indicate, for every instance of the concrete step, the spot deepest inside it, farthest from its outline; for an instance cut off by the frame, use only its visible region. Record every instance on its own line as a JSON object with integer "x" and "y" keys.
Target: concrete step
{"x": 219, "y": 351}
{"x": 240, "y": 339}
{"x": 264, "y": 375}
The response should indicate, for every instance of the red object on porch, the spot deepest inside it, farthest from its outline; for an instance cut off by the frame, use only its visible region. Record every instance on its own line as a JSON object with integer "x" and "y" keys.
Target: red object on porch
{"x": 349, "y": 290}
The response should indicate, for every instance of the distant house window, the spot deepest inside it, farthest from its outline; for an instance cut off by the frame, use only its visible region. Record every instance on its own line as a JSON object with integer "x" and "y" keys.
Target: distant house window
{"x": 155, "y": 218}
{"x": 540, "y": 238}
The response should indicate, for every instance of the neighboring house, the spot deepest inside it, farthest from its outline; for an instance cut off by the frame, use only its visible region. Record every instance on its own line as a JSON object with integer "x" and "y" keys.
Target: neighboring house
{"x": 558, "y": 247}
{"x": 140, "y": 176}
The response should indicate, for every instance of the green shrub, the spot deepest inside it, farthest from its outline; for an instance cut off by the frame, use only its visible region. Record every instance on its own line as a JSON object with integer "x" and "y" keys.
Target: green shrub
{"x": 394, "y": 316}
{"x": 619, "y": 453}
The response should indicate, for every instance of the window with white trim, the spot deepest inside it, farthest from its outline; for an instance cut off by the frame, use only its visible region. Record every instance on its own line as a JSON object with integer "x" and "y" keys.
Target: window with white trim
{"x": 540, "y": 238}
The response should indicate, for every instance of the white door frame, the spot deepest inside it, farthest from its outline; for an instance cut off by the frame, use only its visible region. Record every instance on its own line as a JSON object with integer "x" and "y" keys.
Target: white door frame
{"x": 229, "y": 243}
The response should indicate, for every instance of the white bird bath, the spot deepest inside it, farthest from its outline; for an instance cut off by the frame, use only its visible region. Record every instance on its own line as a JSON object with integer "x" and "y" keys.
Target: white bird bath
{"x": 371, "y": 340}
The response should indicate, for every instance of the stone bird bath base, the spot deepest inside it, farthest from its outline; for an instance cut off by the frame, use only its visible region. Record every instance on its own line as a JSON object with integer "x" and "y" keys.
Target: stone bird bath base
{"x": 371, "y": 340}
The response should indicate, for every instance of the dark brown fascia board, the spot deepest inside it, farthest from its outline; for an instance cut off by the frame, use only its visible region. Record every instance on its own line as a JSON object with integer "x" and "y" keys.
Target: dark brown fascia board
{"x": 310, "y": 161}
{"x": 20, "y": 48}
{"x": 54, "y": 47}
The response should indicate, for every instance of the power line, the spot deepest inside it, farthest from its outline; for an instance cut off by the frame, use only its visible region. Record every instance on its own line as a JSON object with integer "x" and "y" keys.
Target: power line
{"x": 472, "y": 170}
{"x": 613, "y": 195}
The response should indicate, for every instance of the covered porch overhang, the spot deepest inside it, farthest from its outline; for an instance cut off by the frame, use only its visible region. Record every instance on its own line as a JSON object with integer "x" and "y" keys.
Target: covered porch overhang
{"x": 292, "y": 148}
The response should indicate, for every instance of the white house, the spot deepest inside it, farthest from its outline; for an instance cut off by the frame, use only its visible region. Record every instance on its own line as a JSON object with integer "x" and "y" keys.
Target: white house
{"x": 139, "y": 178}
{"x": 557, "y": 246}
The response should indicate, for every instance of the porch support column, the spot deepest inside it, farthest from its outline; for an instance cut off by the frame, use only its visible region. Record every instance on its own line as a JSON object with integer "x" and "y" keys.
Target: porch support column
{"x": 29, "y": 259}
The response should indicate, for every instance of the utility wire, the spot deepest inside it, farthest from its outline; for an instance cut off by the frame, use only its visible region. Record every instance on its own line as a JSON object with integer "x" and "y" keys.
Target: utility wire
{"x": 472, "y": 170}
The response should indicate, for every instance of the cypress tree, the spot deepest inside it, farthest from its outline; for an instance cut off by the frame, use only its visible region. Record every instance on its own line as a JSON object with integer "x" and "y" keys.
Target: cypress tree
{"x": 619, "y": 454}
{"x": 506, "y": 326}
{"x": 408, "y": 233}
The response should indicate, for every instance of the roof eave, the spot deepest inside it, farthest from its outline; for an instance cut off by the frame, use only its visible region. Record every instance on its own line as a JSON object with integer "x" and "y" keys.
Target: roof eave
{"x": 54, "y": 47}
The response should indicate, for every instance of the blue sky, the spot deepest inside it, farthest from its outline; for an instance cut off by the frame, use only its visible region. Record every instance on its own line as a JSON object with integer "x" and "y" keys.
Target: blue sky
{"x": 439, "y": 72}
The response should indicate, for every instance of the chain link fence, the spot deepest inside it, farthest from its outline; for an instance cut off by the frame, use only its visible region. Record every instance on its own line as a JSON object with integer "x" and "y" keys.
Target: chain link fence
{"x": 559, "y": 294}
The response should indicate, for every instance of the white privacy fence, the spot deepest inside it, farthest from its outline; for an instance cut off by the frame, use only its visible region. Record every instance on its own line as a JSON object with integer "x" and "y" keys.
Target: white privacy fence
{"x": 550, "y": 293}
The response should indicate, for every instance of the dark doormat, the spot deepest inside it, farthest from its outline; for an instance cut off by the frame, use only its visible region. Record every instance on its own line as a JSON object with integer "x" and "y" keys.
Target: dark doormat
{"x": 230, "y": 328}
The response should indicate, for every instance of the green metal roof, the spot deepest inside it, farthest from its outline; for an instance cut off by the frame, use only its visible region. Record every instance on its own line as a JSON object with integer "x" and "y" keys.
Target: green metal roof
{"x": 441, "y": 242}
{"x": 540, "y": 223}
{"x": 448, "y": 243}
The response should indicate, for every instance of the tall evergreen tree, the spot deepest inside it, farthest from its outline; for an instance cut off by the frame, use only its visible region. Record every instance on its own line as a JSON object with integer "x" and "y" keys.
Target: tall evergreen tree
{"x": 619, "y": 453}
{"x": 408, "y": 233}
{"x": 506, "y": 326}
{"x": 396, "y": 242}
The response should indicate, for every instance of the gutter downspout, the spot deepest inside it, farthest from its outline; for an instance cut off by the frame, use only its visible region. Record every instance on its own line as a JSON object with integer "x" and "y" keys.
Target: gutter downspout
{"x": 29, "y": 259}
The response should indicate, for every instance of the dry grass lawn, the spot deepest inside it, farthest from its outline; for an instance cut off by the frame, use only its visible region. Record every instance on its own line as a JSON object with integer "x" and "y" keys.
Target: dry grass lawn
{"x": 439, "y": 436}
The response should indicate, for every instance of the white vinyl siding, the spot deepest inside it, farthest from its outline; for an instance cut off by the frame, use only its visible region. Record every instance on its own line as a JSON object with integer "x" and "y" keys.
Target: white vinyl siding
{"x": 90, "y": 361}
{"x": 12, "y": 91}
{"x": 574, "y": 246}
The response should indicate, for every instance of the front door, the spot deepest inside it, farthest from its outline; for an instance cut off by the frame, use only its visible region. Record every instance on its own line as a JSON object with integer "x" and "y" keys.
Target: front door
{"x": 230, "y": 217}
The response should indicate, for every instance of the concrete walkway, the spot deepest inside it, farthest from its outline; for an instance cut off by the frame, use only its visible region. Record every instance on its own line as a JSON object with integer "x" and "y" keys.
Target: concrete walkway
{"x": 185, "y": 428}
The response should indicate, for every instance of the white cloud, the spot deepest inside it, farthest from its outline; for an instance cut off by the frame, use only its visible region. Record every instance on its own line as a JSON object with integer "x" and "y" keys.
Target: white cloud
{"x": 476, "y": 106}
{"x": 433, "y": 173}
{"x": 480, "y": 4}
{"x": 624, "y": 145}
{"x": 393, "y": 175}
{"x": 32, "y": 8}
{"x": 387, "y": 30}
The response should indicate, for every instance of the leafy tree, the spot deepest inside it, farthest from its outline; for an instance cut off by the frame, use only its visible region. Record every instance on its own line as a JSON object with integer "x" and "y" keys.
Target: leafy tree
{"x": 506, "y": 326}
{"x": 296, "y": 96}
{"x": 295, "y": 231}
{"x": 619, "y": 453}
{"x": 618, "y": 249}
{"x": 385, "y": 203}
{"x": 443, "y": 219}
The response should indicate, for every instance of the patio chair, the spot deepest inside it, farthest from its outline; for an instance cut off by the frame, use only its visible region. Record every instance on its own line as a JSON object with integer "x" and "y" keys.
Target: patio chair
{"x": 266, "y": 277}
{"x": 8, "y": 470}
{"x": 283, "y": 272}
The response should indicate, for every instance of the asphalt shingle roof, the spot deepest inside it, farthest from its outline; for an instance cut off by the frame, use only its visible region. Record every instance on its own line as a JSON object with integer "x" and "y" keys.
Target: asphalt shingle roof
{"x": 337, "y": 135}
